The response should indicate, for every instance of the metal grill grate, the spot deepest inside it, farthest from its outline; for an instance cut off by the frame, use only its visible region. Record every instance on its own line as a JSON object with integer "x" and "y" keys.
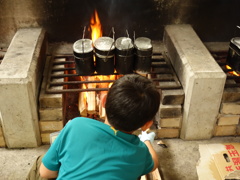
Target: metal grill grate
{"x": 161, "y": 73}
{"x": 221, "y": 59}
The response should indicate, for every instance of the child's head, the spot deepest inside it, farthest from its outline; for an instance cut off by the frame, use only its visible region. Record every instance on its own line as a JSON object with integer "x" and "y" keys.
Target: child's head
{"x": 132, "y": 101}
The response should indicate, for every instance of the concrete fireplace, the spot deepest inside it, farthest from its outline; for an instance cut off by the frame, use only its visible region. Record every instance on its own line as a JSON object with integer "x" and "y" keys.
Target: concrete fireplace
{"x": 196, "y": 111}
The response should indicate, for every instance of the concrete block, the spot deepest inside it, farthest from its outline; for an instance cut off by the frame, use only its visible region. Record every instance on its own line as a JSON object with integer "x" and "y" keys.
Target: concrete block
{"x": 172, "y": 97}
{"x": 225, "y": 119}
{"x": 2, "y": 140}
{"x": 230, "y": 108}
{"x": 21, "y": 73}
{"x": 170, "y": 122}
{"x": 50, "y": 126}
{"x": 170, "y": 111}
{"x": 50, "y": 114}
{"x": 167, "y": 133}
{"x": 201, "y": 77}
{"x": 225, "y": 130}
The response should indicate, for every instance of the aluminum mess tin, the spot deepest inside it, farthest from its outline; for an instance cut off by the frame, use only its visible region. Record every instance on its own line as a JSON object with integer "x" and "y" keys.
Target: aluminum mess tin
{"x": 143, "y": 54}
{"x": 143, "y": 46}
{"x": 105, "y": 55}
{"x": 104, "y": 64}
{"x": 233, "y": 58}
{"x": 104, "y": 46}
{"x": 124, "y": 55}
{"x": 83, "y": 56}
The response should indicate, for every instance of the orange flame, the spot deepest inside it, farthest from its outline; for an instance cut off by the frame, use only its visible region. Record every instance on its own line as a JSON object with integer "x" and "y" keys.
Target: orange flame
{"x": 95, "y": 26}
{"x": 232, "y": 72}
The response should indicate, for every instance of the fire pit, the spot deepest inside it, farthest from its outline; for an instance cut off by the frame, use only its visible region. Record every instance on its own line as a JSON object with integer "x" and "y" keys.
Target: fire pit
{"x": 62, "y": 84}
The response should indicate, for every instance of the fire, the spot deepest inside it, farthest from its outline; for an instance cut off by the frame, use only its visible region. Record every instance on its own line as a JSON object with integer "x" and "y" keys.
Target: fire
{"x": 96, "y": 27}
{"x": 91, "y": 103}
{"x": 232, "y": 72}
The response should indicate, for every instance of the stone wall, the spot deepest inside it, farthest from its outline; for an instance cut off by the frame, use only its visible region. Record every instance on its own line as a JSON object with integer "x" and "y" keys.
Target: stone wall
{"x": 64, "y": 20}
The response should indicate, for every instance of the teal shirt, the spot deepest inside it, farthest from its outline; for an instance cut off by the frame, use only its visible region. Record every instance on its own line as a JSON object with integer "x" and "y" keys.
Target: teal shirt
{"x": 89, "y": 149}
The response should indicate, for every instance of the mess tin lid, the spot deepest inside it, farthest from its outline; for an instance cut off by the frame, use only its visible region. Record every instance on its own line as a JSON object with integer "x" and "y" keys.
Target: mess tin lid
{"x": 236, "y": 42}
{"x": 143, "y": 46}
{"x": 143, "y": 43}
{"x": 104, "y": 44}
{"x": 83, "y": 46}
{"x": 124, "y": 43}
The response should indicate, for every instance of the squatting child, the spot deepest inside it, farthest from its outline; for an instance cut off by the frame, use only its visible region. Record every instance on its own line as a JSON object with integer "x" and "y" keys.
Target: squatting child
{"x": 89, "y": 149}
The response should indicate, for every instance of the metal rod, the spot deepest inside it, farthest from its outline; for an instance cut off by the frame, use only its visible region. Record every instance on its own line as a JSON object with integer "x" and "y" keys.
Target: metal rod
{"x": 113, "y": 33}
{"x": 84, "y": 29}
{"x": 79, "y": 82}
{"x": 127, "y": 33}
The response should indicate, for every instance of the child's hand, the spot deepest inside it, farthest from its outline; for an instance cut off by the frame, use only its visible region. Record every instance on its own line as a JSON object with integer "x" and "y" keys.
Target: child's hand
{"x": 147, "y": 137}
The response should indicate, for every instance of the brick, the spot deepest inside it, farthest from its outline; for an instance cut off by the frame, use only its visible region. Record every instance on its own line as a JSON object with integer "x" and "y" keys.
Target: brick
{"x": 231, "y": 95}
{"x": 1, "y": 132}
{"x": 2, "y": 142}
{"x": 228, "y": 119}
{"x": 50, "y": 126}
{"x": 50, "y": 100}
{"x": 168, "y": 133}
{"x": 170, "y": 111}
{"x": 238, "y": 129}
{"x": 45, "y": 138}
{"x": 170, "y": 122}
{"x": 169, "y": 84}
{"x": 230, "y": 108}
{"x": 225, "y": 130}
{"x": 50, "y": 114}
{"x": 172, "y": 97}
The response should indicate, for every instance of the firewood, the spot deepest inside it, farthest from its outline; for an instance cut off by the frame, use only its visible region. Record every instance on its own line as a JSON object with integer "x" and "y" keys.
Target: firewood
{"x": 102, "y": 113}
{"x": 91, "y": 96}
{"x": 82, "y": 104}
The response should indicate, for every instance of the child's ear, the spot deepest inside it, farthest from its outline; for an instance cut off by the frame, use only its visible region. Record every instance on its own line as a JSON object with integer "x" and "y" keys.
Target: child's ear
{"x": 147, "y": 125}
{"x": 104, "y": 101}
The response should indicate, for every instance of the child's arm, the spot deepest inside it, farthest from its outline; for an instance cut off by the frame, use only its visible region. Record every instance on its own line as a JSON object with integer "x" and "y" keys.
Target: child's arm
{"x": 46, "y": 173}
{"x": 153, "y": 153}
{"x": 148, "y": 138}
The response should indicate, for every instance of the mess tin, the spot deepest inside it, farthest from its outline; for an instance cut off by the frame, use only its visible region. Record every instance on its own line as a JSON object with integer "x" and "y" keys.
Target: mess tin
{"x": 105, "y": 54}
{"x": 233, "y": 58}
{"x": 124, "y": 55}
{"x": 143, "y": 54}
{"x": 83, "y": 56}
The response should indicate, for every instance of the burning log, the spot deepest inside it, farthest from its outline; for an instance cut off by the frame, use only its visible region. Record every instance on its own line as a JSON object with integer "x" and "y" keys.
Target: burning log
{"x": 91, "y": 96}
{"x": 87, "y": 100}
{"x": 92, "y": 103}
{"x": 102, "y": 112}
{"x": 102, "y": 96}
{"x": 82, "y": 102}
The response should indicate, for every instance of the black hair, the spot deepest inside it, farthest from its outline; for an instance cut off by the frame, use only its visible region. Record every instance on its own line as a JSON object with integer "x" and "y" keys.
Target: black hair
{"x": 132, "y": 101}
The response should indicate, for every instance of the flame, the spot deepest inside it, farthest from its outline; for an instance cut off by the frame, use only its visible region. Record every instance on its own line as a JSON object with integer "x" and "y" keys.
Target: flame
{"x": 96, "y": 27}
{"x": 232, "y": 72}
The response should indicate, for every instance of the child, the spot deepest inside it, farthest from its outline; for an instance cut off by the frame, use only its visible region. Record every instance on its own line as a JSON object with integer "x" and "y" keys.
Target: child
{"x": 89, "y": 149}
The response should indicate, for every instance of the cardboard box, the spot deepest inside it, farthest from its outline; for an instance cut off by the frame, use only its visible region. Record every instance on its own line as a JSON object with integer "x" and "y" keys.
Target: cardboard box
{"x": 219, "y": 161}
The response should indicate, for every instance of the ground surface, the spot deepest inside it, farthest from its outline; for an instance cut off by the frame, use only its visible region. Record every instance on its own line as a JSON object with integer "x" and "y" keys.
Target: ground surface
{"x": 177, "y": 161}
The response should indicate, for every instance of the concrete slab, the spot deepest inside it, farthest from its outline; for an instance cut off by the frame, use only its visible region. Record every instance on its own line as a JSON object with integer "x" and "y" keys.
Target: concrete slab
{"x": 176, "y": 162}
{"x": 201, "y": 77}
{"x": 21, "y": 75}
